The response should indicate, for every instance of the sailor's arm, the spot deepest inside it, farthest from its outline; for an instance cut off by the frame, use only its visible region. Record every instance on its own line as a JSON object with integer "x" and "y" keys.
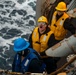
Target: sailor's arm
{"x": 69, "y": 26}
{"x": 72, "y": 13}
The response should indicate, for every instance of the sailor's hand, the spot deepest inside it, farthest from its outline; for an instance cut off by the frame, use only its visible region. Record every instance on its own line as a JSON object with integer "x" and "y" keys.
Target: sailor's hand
{"x": 75, "y": 35}
{"x": 43, "y": 53}
{"x": 74, "y": 10}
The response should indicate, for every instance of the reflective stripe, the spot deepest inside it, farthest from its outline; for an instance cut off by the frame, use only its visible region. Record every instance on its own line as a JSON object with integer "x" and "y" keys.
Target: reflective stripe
{"x": 26, "y": 63}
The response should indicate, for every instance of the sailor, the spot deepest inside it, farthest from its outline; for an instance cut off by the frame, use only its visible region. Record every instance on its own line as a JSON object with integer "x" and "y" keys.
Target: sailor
{"x": 41, "y": 39}
{"x": 53, "y": 4}
{"x": 61, "y": 24}
{"x": 26, "y": 59}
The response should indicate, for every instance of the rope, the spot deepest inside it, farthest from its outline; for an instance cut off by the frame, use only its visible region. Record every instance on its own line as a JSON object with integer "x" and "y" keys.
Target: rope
{"x": 64, "y": 66}
{"x": 70, "y": 69}
{"x": 45, "y": 8}
{"x": 8, "y": 72}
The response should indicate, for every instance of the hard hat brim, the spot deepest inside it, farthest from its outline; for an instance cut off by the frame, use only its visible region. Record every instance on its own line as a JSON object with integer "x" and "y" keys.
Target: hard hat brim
{"x": 60, "y": 9}
{"x": 21, "y": 49}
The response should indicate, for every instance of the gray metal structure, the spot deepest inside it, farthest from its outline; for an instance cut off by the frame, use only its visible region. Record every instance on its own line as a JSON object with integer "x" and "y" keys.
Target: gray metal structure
{"x": 72, "y": 5}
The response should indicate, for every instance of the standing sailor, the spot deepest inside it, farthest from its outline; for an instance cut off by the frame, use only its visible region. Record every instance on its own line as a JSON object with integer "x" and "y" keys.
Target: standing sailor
{"x": 41, "y": 39}
{"x": 61, "y": 24}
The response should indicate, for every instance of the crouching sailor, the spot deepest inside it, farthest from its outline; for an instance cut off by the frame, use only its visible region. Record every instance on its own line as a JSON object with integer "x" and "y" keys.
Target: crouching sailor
{"x": 26, "y": 59}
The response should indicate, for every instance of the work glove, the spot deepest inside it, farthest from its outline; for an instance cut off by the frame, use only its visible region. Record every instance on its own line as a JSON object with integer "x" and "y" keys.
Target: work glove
{"x": 43, "y": 53}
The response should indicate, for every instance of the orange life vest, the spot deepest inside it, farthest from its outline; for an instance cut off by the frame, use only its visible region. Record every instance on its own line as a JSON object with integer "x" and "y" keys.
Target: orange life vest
{"x": 40, "y": 44}
{"x": 57, "y": 26}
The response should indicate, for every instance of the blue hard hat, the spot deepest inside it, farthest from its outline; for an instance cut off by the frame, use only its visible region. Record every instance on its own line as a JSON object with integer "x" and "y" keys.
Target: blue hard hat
{"x": 20, "y": 44}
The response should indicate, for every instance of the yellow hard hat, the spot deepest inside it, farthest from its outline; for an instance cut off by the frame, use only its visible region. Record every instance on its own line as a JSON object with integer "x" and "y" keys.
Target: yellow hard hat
{"x": 43, "y": 19}
{"x": 61, "y": 6}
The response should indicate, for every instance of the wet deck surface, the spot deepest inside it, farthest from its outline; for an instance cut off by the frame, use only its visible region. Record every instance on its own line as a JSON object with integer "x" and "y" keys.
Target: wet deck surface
{"x": 61, "y": 62}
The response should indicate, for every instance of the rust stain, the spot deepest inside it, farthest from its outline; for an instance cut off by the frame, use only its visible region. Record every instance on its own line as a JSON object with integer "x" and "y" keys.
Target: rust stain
{"x": 56, "y": 46}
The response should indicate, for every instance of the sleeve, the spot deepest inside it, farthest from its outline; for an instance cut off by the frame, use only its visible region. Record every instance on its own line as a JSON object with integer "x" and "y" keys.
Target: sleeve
{"x": 35, "y": 66}
{"x": 69, "y": 26}
{"x": 51, "y": 41}
{"x": 13, "y": 65}
{"x": 30, "y": 40}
